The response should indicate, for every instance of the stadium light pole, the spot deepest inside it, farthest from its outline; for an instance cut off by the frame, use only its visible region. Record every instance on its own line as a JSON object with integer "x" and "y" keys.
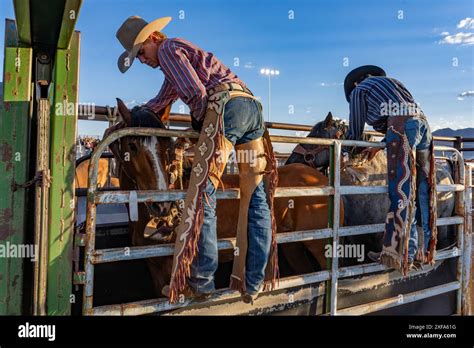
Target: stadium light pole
{"x": 269, "y": 73}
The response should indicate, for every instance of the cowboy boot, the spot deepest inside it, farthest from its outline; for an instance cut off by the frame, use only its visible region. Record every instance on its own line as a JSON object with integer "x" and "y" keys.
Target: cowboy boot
{"x": 188, "y": 293}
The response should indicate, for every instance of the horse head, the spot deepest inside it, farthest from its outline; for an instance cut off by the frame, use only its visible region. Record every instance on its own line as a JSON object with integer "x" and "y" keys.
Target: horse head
{"x": 146, "y": 163}
{"x": 317, "y": 156}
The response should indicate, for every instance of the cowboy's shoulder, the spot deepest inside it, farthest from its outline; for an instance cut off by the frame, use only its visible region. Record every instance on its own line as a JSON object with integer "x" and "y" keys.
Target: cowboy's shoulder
{"x": 175, "y": 43}
{"x": 369, "y": 83}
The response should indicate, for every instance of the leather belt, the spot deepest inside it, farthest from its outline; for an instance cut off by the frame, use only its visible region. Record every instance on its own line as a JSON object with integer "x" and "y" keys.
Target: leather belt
{"x": 228, "y": 87}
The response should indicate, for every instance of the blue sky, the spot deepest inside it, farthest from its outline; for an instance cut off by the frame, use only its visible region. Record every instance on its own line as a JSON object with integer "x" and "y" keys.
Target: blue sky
{"x": 309, "y": 51}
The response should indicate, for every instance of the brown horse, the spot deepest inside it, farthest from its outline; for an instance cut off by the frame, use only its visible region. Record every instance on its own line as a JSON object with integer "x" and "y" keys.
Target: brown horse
{"x": 148, "y": 169}
{"x": 82, "y": 174}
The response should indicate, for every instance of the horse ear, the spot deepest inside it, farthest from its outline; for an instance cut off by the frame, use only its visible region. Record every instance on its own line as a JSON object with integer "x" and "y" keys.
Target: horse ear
{"x": 123, "y": 110}
{"x": 328, "y": 120}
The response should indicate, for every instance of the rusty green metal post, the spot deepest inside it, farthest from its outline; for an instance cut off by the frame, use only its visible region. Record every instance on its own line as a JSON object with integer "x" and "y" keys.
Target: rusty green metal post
{"x": 15, "y": 112}
{"x": 62, "y": 165}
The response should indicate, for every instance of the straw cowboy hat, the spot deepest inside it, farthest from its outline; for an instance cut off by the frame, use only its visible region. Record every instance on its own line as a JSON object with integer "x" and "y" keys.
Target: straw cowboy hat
{"x": 356, "y": 74}
{"x": 132, "y": 33}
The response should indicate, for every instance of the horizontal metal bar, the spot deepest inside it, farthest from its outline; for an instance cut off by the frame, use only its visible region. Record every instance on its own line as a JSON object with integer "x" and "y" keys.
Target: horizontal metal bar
{"x": 440, "y": 138}
{"x": 115, "y": 196}
{"x": 140, "y": 252}
{"x": 358, "y": 190}
{"x": 374, "y": 267}
{"x": 400, "y": 299}
{"x": 450, "y": 220}
{"x": 323, "y": 141}
{"x": 376, "y": 228}
{"x": 160, "y": 305}
{"x": 445, "y": 148}
{"x": 450, "y": 188}
{"x": 267, "y": 303}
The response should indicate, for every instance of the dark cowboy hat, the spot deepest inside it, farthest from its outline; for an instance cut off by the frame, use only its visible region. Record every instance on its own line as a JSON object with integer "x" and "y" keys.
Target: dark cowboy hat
{"x": 358, "y": 73}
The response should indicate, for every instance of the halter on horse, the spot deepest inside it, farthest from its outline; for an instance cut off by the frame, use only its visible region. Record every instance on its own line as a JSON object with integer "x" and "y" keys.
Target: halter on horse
{"x": 162, "y": 158}
{"x": 329, "y": 128}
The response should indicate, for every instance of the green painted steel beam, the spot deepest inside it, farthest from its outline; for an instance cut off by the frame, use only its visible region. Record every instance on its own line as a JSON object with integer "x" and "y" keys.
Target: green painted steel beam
{"x": 71, "y": 13}
{"x": 17, "y": 74}
{"x": 14, "y": 124}
{"x": 62, "y": 165}
{"x": 22, "y": 15}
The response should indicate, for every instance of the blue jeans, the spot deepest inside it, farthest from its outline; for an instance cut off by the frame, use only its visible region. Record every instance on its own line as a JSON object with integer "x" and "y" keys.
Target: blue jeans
{"x": 243, "y": 122}
{"x": 419, "y": 137}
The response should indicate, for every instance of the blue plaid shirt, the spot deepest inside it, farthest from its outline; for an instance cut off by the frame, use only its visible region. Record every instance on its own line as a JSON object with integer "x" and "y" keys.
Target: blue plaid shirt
{"x": 373, "y": 100}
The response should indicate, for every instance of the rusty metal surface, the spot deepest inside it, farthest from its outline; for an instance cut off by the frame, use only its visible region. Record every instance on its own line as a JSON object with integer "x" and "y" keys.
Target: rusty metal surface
{"x": 62, "y": 164}
{"x": 41, "y": 208}
{"x": 14, "y": 123}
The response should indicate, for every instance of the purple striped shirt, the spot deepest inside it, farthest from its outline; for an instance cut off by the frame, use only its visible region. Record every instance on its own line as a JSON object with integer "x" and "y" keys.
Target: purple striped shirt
{"x": 189, "y": 73}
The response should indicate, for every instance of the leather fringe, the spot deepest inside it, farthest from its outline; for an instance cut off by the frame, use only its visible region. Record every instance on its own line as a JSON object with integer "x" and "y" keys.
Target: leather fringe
{"x": 184, "y": 261}
{"x": 272, "y": 183}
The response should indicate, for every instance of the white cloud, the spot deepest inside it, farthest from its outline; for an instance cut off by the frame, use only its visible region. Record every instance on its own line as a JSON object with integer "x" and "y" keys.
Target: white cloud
{"x": 130, "y": 104}
{"x": 459, "y": 38}
{"x": 249, "y": 65}
{"x": 466, "y": 23}
{"x": 453, "y": 122}
{"x": 463, "y": 95}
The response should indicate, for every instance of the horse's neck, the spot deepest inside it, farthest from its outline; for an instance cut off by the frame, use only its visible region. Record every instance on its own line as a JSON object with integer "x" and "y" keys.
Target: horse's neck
{"x": 126, "y": 183}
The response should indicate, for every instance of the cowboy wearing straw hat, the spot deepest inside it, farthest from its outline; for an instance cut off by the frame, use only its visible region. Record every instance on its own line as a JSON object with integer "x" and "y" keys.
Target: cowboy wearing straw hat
{"x": 387, "y": 105}
{"x": 227, "y": 115}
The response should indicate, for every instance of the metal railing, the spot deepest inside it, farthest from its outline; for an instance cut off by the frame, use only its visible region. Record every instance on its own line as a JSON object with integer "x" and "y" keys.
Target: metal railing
{"x": 462, "y": 219}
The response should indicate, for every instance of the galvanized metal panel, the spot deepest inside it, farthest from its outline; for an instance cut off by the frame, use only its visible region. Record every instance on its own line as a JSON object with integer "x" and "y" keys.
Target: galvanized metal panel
{"x": 62, "y": 165}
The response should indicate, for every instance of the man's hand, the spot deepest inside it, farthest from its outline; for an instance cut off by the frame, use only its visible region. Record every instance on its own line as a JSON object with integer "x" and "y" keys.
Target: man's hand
{"x": 370, "y": 152}
{"x": 115, "y": 127}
